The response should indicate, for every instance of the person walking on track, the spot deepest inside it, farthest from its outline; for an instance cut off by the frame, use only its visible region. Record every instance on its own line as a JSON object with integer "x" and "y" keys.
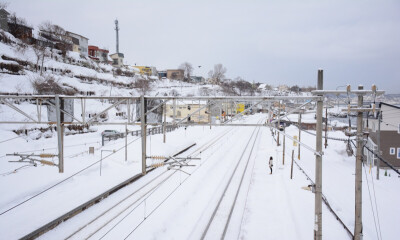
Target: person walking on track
{"x": 270, "y": 164}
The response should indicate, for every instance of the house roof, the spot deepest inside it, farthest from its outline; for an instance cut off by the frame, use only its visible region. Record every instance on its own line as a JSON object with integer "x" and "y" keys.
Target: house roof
{"x": 4, "y": 11}
{"x": 71, "y": 33}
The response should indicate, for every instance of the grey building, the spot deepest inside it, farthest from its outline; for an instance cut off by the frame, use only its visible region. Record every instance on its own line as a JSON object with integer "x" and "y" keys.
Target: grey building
{"x": 3, "y": 19}
{"x": 389, "y": 135}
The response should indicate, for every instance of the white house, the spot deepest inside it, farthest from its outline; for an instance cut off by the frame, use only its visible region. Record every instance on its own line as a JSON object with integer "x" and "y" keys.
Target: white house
{"x": 80, "y": 43}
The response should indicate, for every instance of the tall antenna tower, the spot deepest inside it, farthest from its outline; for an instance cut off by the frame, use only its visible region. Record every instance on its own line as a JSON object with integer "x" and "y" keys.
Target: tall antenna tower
{"x": 117, "y": 29}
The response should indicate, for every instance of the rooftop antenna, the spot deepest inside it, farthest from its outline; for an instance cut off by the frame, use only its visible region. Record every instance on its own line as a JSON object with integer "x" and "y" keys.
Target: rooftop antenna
{"x": 117, "y": 29}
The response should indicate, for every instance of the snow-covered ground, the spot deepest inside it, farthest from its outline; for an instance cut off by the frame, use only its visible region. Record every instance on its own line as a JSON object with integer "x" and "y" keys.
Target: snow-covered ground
{"x": 268, "y": 206}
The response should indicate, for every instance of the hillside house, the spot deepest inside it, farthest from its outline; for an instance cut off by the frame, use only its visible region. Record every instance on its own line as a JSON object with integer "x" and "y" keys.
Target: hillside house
{"x": 389, "y": 135}
{"x": 175, "y": 74}
{"x": 80, "y": 43}
{"x": 162, "y": 74}
{"x": 145, "y": 70}
{"x": 187, "y": 108}
{"x": 98, "y": 54}
{"x": 117, "y": 59}
{"x": 3, "y": 19}
{"x": 20, "y": 31}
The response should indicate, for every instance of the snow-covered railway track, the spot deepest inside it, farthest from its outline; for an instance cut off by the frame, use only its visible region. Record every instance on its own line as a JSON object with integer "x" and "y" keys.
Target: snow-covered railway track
{"x": 112, "y": 214}
{"x": 218, "y": 223}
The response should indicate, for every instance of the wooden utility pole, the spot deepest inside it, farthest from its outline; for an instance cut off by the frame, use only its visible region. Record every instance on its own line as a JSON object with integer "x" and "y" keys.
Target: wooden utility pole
{"x": 291, "y": 167}
{"x": 358, "y": 227}
{"x": 326, "y": 127}
{"x": 318, "y": 164}
{"x": 378, "y": 161}
{"x": 143, "y": 106}
{"x": 298, "y": 154}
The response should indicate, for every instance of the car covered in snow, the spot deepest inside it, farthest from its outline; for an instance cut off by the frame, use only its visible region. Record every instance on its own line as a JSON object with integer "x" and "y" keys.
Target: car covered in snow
{"x": 106, "y": 133}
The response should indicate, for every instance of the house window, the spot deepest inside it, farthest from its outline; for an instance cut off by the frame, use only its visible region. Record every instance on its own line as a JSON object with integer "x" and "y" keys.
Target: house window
{"x": 398, "y": 129}
{"x": 398, "y": 153}
{"x": 392, "y": 151}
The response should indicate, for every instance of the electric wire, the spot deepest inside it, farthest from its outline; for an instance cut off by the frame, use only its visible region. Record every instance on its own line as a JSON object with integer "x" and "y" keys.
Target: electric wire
{"x": 370, "y": 200}
{"x": 202, "y": 148}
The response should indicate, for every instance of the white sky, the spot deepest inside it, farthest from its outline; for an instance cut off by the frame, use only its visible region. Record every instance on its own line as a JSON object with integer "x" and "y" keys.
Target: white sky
{"x": 276, "y": 42}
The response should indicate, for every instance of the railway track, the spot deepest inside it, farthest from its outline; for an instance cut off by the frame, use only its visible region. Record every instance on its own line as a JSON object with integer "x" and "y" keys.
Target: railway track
{"x": 218, "y": 223}
{"x": 109, "y": 218}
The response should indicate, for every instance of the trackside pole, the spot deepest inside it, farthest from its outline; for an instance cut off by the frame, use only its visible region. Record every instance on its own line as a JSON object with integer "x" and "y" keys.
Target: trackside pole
{"x": 143, "y": 131}
{"x": 165, "y": 122}
{"x": 358, "y": 227}
{"x": 298, "y": 154}
{"x": 59, "y": 137}
{"x": 291, "y": 167}
{"x": 318, "y": 164}
{"x": 284, "y": 145}
{"x": 126, "y": 142}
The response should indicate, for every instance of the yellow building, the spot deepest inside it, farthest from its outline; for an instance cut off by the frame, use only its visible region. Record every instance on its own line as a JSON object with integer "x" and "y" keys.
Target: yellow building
{"x": 144, "y": 70}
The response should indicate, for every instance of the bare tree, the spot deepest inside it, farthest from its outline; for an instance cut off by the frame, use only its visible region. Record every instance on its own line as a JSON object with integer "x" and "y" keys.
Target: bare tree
{"x": 40, "y": 53}
{"x": 188, "y": 70}
{"x": 268, "y": 87}
{"x": 143, "y": 86}
{"x": 55, "y": 36}
{"x": 3, "y": 5}
{"x": 218, "y": 73}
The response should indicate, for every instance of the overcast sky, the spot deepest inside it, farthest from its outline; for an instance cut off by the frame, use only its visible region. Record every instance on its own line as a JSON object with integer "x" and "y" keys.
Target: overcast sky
{"x": 275, "y": 42}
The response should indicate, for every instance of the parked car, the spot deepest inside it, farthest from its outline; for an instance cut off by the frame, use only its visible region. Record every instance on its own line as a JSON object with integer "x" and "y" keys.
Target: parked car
{"x": 110, "y": 133}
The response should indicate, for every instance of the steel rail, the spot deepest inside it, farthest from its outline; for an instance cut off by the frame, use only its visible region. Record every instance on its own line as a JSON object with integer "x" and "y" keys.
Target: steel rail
{"x": 88, "y": 204}
{"x": 203, "y": 147}
{"x": 226, "y": 188}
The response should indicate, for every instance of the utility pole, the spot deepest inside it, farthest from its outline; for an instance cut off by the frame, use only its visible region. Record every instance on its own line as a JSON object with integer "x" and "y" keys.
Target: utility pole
{"x": 279, "y": 122}
{"x": 326, "y": 127}
{"x": 298, "y": 154}
{"x": 358, "y": 228}
{"x": 126, "y": 142}
{"x": 143, "y": 106}
{"x": 318, "y": 163}
{"x": 59, "y": 137}
{"x": 174, "y": 111}
{"x": 165, "y": 122}
{"x": 283, "y": 153}
{"x": 291, "y": 167}
{"x": 378, "y": 161}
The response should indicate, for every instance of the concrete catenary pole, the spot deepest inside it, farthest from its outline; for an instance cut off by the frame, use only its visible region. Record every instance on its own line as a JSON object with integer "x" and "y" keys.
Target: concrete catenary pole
{"x": 59, "y": 136}
{"x": 326, "y": 127}
{"x": 279, "y": 123}
{"x": 165, "y": 123}
{"x": 378, "y": 161}
{"x": 358, "y": 227}
{"x": 143, "y": 131}
{"x": 284, "y": 145}
{"x": 318, "y": 164}
{"x": 298, "y": 154}
{"x": 126, "y": 142}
